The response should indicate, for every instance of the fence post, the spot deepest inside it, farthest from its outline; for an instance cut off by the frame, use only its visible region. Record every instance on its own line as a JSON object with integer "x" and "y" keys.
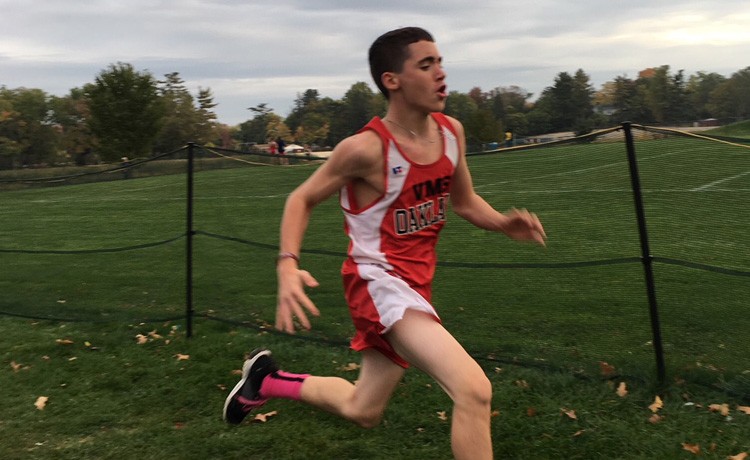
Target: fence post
{"x": 646, "y": 257}
{"x": 189, "y": 246}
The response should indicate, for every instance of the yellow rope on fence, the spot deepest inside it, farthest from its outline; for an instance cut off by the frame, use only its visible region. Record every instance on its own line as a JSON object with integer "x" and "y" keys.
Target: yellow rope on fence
{"x": 250, "y": 162}
{"x": 690, "y": 134}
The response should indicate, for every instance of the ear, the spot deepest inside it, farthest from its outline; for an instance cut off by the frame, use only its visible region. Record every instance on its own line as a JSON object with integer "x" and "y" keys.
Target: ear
{"x": 390, "y": 80}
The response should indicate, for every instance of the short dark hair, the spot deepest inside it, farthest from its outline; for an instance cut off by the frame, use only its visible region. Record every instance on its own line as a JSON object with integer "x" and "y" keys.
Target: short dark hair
{"x": 389, "y": 52}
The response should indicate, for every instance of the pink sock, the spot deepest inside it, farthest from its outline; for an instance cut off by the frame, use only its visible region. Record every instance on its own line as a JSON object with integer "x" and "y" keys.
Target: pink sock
{"x": 282, "y": 384}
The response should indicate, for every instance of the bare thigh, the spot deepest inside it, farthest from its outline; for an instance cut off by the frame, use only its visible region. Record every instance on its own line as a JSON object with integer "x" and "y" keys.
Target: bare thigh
{"x": 427, "y": 345}
{"x": 378, "y": 378}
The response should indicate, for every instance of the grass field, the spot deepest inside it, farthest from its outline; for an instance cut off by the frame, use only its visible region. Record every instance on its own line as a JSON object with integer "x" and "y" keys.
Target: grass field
{"x": 541, "y": 331}
{"x": 741, "y": 130}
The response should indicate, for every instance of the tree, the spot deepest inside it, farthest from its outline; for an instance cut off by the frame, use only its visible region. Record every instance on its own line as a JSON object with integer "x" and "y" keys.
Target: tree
{"x": 313, "y": 129}
{"x": 582, "y": 96}
{"x": 184, "y": 121}
{"x": 305, "y": 103}
{"x": 359, "y": 106}
{"x": 338, "y": 127}
{"x": 657, "y": 93}
{"x": 628, "y": 101}
{"x": 255, "y": 130}
{"x": 540, "y": 120}
{"x": 70, "y": 114}
{"x": 11, "y": 144}
{"x": 205, "y": 117}
{"x": 26, "y": 134}
{"x": 731, "y": 99}
{"x": 126, "y": 111}
{"x": 481, "y": 128}
{"x": 459, "y": 105}
{"x": 700, "y": 87}
{"x": 277, "y": 129}
{"x": 567, "y": 105}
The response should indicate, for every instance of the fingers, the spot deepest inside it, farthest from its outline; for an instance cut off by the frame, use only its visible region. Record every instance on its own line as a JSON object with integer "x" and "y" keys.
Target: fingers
{"x": 533, "y": 226}
{"x": 308, "y": 279}
{"x": 292, "y": 302}
{"x": 538, "y": 230}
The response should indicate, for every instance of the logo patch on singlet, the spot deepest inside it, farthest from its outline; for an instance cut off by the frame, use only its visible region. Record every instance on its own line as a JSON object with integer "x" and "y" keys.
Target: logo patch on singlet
{"x": 397, "y": 170}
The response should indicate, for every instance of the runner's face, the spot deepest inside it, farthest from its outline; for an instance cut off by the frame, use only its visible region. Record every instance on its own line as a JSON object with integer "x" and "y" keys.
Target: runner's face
{"x": 423, "y": 78}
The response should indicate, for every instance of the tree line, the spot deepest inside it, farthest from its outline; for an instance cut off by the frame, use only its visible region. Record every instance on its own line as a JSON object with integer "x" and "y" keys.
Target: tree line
{"x": 130, "y": 113}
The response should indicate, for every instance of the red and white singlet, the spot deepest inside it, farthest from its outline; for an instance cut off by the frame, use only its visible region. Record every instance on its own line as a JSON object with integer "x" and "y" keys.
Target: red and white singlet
{"x": 392, "y": 255}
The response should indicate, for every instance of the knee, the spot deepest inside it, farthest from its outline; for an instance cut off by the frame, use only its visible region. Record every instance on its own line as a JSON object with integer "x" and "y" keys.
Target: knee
{"x": 475, "y": 392}
{"x": 366, "y": 419}
{"x": 370, "y": 421}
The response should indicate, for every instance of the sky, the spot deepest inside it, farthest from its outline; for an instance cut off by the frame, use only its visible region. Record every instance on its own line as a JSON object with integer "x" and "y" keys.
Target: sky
{"x": 270, "y": 51}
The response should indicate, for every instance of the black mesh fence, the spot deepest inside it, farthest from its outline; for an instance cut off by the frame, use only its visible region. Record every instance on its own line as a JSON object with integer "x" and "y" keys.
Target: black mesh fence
{"x": 136, "y": 249}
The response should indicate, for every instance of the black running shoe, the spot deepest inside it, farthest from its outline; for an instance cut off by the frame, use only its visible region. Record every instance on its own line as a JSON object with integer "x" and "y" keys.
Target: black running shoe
{"x": 245, "y": 397}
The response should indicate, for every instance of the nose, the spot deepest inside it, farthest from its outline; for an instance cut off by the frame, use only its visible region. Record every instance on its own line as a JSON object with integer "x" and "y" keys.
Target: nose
{"x": 440, "y": 74}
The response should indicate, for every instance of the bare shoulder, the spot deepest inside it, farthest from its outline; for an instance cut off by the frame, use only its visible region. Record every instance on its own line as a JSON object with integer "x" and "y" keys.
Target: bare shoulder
{"x": 456, "y": 124}
{"x": 359, "y": 153}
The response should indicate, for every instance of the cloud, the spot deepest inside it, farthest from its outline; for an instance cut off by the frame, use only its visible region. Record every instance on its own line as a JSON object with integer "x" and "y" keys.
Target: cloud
{"x": 271, "y": 50}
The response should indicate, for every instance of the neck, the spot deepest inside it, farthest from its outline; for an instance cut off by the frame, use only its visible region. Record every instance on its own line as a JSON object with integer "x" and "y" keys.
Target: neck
{"x": 418, "y": 124}
{"x": 425, "y": 134}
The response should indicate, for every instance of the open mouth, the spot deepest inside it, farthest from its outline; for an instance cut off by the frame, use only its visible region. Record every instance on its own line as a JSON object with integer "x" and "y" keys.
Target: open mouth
{"x": 442, "y": 91}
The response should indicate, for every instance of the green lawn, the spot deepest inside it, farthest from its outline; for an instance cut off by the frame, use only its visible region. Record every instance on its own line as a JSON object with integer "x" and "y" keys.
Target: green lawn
{"x": 541, "y": 321}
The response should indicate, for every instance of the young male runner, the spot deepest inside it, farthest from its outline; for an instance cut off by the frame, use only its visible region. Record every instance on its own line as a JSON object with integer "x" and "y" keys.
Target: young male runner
{"x": 395, "y": 179}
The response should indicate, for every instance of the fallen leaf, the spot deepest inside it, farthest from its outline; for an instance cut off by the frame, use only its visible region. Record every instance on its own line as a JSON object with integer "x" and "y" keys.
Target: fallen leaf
{"x": 531, "y": 412}
{"x": 744, "y": 409}
{"x": 723, "y": 409}
{"x": 522, "y": 383}
{"x": 236, "y": 372}
{"x": 64, "y": 342}
{"x": 692, "y": 448}
{"x": 606, "y": 369}
{"x": 41, "y": 402}
{"x": 622, "y": 390}
{"x": 656, "y": 405}
{"x": 655, "y": 418}
{"x": 442, "y": 415}
{"x": 179, "y": 425}
{"x": 578, "y": 433}
{"x": 154, "y": 335}
{"x": 181, "y": 357}
{"x": 15, "y": 366}
{"x": 141, "y": 339}
{"x": 570, "y": 413}
{"x": 264, "y": 417}
{"x": 495, "y": 413}
{"x": 740, "y": 456}
{"x": 350, "y": 367}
